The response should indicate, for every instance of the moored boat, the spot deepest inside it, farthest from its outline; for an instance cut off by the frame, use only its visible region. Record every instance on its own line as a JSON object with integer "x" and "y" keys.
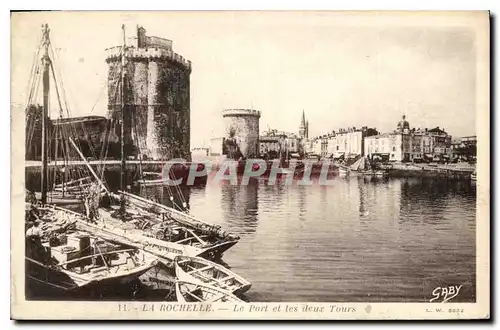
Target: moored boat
{"x": 196, "y": 292}
{"x": 66, "y": 259}
{"x": 343, "y": 172}
{"x": 129, "y": 219}
{"x": 199, "y": 270}
{"x": 380, "y": 174}
{"x": 157, "y": 213}
{"x": 164, "y": 240}
{"x": 58, "y": 198}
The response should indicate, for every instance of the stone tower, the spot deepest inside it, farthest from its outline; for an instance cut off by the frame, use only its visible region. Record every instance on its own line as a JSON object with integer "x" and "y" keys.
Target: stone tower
{"x": 156, "y": 96}
{"x": 242, "y": 129}
{"x": 403, "y": 125}
{"x": 304, "y": 127}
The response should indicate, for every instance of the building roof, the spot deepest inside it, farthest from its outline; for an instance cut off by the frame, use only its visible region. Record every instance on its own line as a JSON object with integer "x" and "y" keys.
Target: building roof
{"x": 437, "y": 130}
{"x": 267, "y": 138}
{"x": 382, "y": 135}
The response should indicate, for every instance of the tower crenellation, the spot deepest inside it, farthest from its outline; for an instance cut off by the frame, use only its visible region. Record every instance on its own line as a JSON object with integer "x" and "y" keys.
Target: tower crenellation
{"x": 156, "y": 93}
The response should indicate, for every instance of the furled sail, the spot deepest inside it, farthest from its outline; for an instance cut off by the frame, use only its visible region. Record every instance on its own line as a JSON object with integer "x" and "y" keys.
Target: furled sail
{"x": 362, "y": 164}
{"x": 357, "y": 164}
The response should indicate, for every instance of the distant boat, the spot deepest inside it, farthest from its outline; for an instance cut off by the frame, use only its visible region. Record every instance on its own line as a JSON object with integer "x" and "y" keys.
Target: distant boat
{"x": 195, "y": 292}
{"x": 380, "y": 174}
{"x": 364, "y": 167}
{"x": 151, "y": 178}
{"x": 343, "y": 171}
{"x": 199, "y": 270}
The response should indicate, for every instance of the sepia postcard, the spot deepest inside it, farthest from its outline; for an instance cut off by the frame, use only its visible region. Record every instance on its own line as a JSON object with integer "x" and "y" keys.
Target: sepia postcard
{"x": 285, "y": 165}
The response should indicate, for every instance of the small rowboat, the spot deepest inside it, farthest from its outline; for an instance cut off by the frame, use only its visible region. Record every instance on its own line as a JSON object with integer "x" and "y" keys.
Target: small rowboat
{"x": 200, "y": 270}
{"x": 343, "y": 172}
{"x": 195, "y": 292}
{"x": 380, "y": 174}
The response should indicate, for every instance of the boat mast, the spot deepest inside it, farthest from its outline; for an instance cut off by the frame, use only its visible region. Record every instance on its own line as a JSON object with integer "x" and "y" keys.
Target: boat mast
{"x": 122, "y": 114}
{"x": 46, "y": 89}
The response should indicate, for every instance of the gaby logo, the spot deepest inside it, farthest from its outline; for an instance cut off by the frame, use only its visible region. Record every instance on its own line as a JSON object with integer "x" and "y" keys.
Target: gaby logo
{"x": 445, "y": 293}
{"x": 179, "y": 171}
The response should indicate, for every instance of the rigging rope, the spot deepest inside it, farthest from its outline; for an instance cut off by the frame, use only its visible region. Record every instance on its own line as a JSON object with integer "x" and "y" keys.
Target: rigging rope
{"x": 33, "y": 71}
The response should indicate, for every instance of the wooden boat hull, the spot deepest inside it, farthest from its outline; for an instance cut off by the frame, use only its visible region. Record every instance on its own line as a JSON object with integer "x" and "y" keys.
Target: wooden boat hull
{"x": 195, "y": 292}
{"x": 380, "y": 174}
{"x": 56, "y": 198}
{"x": 217, "y": 250}
{"x": 164, "y": 251}
{"x": 199, "y": 270}
{"x": 156, "y": 182}
{"x": 42, "y": 278}
{"x": 225, "y": 239}
{"x": 343, "y": 173}
{"x": 181, "y": 217}
{"x": 61, "y": 267}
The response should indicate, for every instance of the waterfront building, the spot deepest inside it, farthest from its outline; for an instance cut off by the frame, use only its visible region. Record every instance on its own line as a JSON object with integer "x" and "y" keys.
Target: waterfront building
{"x": 270, "y": 146}
{"x": 199, "y": 153}
{"x": 388, "y": 146}
{"x": 465, "y": 148}
{"x": 273, "y": 142}
{"x": 407, "y": 144}
{"x": 314, "y": 146}
{"x": 349, "y": 143}
{"x": 157, "y": 97}
{"x": 308, "y": 146}
{"x": 344, "y": 143}
{"x": 216, "y": 146}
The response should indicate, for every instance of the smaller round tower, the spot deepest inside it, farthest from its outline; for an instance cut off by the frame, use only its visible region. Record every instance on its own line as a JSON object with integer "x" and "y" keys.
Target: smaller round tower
{"x": 241, "y": 132}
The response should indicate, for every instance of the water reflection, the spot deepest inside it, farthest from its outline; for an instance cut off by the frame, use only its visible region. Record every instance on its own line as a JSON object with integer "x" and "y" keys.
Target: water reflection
{"x": 240, "y": 205}
{"x": 359, "y": 239}
{"x": 356, "y": 240}
{"x": 176, "y": 196}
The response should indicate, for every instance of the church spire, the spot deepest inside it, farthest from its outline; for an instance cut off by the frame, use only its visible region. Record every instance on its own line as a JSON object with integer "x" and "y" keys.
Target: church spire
{"x": 303, "y": 125}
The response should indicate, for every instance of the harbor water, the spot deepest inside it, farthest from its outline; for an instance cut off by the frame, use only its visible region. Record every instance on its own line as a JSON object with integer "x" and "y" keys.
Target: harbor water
{"x": 357, "y": 240}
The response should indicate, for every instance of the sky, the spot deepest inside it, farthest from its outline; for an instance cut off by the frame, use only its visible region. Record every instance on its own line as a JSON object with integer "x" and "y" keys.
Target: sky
{"x": 343, "y": 71}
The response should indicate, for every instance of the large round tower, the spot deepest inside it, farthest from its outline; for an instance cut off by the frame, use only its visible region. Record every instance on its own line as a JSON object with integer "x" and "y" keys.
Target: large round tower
{"x": 156, "y": 95}
{"x": 242, "y": 132}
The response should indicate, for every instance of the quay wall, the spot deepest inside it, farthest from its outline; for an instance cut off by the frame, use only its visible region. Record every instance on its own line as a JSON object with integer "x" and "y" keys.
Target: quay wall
{"x": 460, "y": 172}
{"x": 111, "y": 173}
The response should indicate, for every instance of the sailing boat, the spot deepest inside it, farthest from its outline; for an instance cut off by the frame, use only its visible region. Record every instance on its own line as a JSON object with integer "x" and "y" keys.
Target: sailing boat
{"x": 158, "y": 229}
{"x": 360, "y": 167}
{"x": 65, "y": 259}
{"x": 62, "y": 258}
{"x": 66, "y": 192}
{"x": 285, "y": 162}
